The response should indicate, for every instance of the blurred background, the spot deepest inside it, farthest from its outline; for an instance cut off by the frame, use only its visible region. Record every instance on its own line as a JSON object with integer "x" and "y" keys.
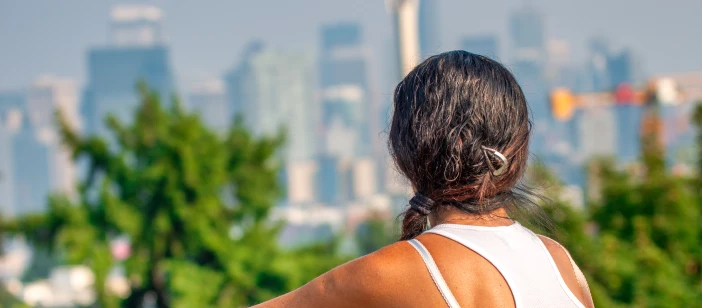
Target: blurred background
{"x": 283, "y": 106}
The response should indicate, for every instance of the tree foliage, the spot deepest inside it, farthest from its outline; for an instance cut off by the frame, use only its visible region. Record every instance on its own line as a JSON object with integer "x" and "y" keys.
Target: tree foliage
{"x": 194, "y": 205}
{"x": 639, "y": 243}
{"x": 375, "y": 233}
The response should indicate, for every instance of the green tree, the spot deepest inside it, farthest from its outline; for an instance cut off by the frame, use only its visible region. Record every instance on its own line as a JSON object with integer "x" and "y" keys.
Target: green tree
{"x": 376, "y": 233}
{"x": 194, "y": 205}
{"x": 639, "y": 243}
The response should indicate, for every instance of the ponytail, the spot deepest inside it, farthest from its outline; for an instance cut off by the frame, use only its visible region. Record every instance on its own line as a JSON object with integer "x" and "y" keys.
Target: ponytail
{"x": 414, "y": 220}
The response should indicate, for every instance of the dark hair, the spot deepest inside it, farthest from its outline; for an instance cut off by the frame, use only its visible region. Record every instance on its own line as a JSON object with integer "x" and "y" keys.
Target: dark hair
{"x": 447, "y": 110}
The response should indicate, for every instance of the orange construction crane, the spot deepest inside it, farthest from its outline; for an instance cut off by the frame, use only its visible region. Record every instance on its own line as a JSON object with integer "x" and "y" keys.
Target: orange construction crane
{"x": 664, "y": 90}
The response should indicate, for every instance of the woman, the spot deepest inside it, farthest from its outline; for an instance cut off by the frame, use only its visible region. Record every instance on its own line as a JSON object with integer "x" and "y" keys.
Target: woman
{"x": 460, "y": 134}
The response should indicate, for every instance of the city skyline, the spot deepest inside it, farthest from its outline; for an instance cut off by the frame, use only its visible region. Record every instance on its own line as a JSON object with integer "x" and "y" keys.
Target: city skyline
{"x": 330, "y": 101}
{"x": 272, "y": 127}
{"x": 199, "y": 51}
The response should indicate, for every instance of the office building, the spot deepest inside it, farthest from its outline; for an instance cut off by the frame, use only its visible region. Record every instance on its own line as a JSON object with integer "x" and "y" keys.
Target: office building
{"x": 136, "y": 53}
{"x": 344, "y": 79}
{"x": 527, "y": 35}
{"x": 136, "y": 25}
{"x": 209, "y": 99}
{"x": 350, "y": 117}
{"x": 11, "y": 101}
{"x": 274, "y": 91}
{"x": 343, "y": 117}
{"x": 330, "y": 180}
{"x": 364, "y": 179}
{"x": 598, "y": 75}
{"x": 608, "y": 68}
{"x": 34, "y": 163}
{"x": 32, "y": 169}
{"x": 598, "y": 131}
{"x": 46, "y": 98}
{"x": 628, "y": 115}
{"x": 300, "y": 180}
{"x": 679, "y": 130}
{"x": 47, "y": 95}
{"x": 7, "y": 189}
{"x": 621, "y": 68}
{"x": 528, "y": 65}
{"x": 11, "y": 108}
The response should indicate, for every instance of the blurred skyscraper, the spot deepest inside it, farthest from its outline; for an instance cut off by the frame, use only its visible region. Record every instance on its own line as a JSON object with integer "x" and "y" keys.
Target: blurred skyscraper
{"x": 429, "y": 35}
{"x": 11, "y": 104}
{"x": 7, "y": 189}
{"x": 32, "y": 169}
{"x": 628, "y": 115}
{"x": 561, "y": 71}
{"x": 33, "y": 163}
{"x": 677, "y": 113}
{"x": 485, "y": 45}
{"x": 528, "y": 64}
{"x": 344, "y": 79}
{"x": 598, "y": 132}
{"x": 346, "y": 111}
{"x": 608, "y": 69}
{"x": 597, "y": 65}
{"x": 47, "y": 96}
{"x": 136, "y": 25}
{"x": 209, "y": 98}
{"x": 235, "y": 79}
{"x": 622, "y": 68}
{"x": 11, "y": 101}
{"x": 274, "y": 91}
{"x": 527, "y": 34}
{"x": 136, "y": 53}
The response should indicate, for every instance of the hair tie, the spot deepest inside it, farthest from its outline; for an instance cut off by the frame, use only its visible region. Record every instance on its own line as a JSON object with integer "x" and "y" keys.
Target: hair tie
{"x": 421, "y": 203}
{"x": 505, "y": 163}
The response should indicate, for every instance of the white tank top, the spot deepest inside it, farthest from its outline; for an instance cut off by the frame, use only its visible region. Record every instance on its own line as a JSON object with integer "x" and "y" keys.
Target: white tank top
{"x": 518, "y": 254}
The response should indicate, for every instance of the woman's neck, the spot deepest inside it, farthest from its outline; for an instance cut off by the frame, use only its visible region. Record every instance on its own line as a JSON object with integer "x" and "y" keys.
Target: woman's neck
{"x": 451, "y": 215}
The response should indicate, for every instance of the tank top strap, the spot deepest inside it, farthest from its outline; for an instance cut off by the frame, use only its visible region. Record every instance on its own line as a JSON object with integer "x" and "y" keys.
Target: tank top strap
{"x": 579, "y": 276}
{"x": 435, "y": 274}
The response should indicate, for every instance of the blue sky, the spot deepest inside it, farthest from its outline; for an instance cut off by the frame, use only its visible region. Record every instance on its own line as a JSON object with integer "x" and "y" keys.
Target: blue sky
{"x": 206, "y": 37}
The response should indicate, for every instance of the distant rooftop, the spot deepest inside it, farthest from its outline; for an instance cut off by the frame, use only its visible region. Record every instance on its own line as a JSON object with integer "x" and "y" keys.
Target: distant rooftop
{"x": 136, "y": 25}
{"x": 132, "y": 12}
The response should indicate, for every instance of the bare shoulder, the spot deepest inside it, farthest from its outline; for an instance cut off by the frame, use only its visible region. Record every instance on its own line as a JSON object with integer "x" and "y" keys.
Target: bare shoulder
{"x": 562, "y": 259}
{"x": 374, "y": 280}
{"x": 379, "y": 277}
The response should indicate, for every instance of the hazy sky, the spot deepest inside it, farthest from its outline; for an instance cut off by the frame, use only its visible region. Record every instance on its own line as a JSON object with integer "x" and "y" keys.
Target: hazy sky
{"x": 206, "y": 37}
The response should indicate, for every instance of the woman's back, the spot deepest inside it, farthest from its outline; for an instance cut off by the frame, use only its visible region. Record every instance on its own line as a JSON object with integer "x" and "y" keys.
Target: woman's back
{"x": 519, "y": 256}
{"x": 504, "y": 265}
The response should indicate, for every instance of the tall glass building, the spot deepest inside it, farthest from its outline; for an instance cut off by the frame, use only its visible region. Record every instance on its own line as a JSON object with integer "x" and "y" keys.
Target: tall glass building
{"x": 349, "y": 115}
{"x": 528, "y": 64}
{"x": 209, "y": 99}
{"x": 11, "y": 107}
{"x": 31, "y": 161}
{"x": 273, "y": 91}
{"x": 344, "y": 75}
{"x": 136, "y": 53}
{"x": 628, "y": 130}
